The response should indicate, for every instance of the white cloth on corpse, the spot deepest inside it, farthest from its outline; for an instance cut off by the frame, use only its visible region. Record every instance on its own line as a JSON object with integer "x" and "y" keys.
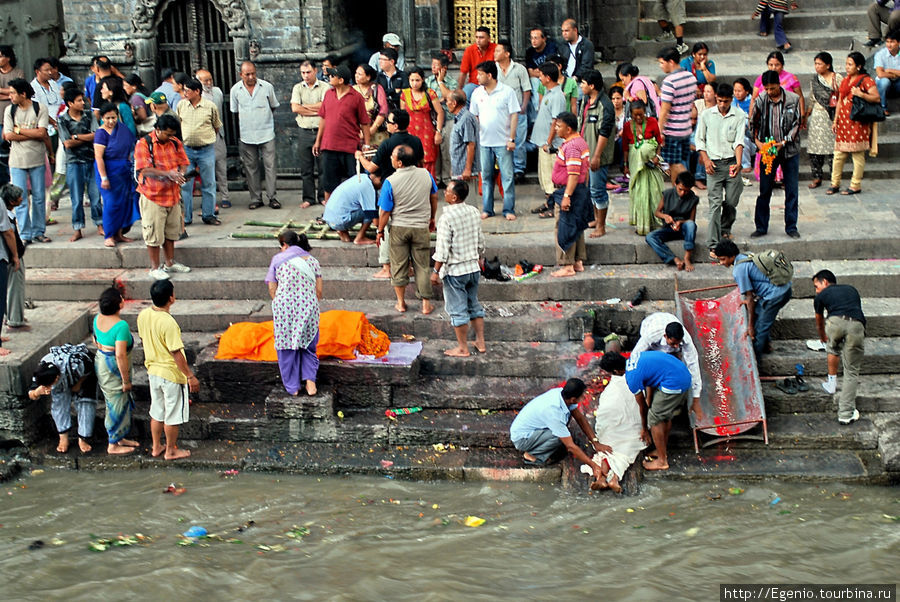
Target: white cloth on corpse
{"x": 653, "y": 337}
{"x": 618, "y": 425}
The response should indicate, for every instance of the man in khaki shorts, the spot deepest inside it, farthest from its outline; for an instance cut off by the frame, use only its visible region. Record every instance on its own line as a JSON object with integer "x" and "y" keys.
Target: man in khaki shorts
{"x": 671, "y": 14}
{"x": 160, "y": 161}
{"x": 170, "y": 375}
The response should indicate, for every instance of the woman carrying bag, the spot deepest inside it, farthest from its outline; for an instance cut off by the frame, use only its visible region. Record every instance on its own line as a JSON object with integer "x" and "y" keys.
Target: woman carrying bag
{"x": 851, "y": 137}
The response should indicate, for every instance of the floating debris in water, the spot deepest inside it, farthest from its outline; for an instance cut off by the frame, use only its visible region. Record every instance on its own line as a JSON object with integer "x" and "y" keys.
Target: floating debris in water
{"x": 474, "y": 521}
{"x": 103, "y": 544}
{"x": 174, "y": 490}
{"x": 297, "y": 532}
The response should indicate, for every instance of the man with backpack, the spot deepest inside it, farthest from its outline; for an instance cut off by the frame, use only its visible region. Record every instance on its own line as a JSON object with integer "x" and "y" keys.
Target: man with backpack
{"x": 765, "y": 281}
{"x": 160, "y": 162}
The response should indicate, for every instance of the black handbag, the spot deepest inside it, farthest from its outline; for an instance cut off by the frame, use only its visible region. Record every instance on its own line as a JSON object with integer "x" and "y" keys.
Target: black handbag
{"x": 864, "y": 111}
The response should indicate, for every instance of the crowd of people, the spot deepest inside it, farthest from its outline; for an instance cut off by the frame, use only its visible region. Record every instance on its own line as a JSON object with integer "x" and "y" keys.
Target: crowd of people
{"x": 378, "y": 142}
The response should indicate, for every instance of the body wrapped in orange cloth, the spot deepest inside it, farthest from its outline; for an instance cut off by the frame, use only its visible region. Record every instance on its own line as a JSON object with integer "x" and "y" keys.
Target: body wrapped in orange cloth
{"x": 342, "y": 334}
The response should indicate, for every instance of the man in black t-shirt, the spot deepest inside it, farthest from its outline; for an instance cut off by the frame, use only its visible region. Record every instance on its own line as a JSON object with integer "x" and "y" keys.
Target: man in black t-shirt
{"x": 677, "y": 209}
{"x": 844, "y": 334}
{"x": 397, "y": 122}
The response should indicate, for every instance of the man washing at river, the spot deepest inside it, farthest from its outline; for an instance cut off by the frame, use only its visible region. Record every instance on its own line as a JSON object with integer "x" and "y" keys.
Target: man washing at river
{"x": 541, "y": 429}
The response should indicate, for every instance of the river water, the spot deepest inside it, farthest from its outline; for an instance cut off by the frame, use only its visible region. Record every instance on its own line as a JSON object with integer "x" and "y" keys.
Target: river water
{"x": 381, "y": 539}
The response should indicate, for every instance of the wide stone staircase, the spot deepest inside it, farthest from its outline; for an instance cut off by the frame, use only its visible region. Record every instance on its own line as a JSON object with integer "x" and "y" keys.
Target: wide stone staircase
{"x": 835, "y": 26}
{"x": 243, "y": 419}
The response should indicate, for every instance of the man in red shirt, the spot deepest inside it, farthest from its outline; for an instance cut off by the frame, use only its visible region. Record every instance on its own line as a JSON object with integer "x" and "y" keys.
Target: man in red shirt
{"x": 343, "y": 122}
{"x": 570, "y": 172}
{"x": 160, "y": 161}
{"x": 482, "y": 50}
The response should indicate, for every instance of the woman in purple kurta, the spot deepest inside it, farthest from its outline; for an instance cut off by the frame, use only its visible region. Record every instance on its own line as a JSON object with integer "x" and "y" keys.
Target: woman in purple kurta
{"x": 295, "y": 285}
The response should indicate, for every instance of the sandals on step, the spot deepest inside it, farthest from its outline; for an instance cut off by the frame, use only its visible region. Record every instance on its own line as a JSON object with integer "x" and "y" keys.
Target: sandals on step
{"x": 788, "y": 385}
{"x": 832, "y": 190}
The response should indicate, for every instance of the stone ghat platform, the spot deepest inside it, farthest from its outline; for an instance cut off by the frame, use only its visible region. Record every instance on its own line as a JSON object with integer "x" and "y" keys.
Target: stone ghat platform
{"x": 241, "y": 419}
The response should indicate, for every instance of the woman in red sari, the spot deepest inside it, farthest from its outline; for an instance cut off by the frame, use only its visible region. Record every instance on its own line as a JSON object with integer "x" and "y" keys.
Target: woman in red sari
{"x": 852, "y": 138}
{"x": 426, "y": 118}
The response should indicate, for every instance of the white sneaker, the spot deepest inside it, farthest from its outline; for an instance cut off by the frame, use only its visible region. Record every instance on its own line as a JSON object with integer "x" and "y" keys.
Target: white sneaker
{"x": 682, "y": 48}
{"x": 178, "y": 268}
{"x": 850, "y": 420}
{"x": 159, "y": 274}
{"x": 746, "y": 181}
{"x": 830, "y": 388}
{"x": 665, "y": 36}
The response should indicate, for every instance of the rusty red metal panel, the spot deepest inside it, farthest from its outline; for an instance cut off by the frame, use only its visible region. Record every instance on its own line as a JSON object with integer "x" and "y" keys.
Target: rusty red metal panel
{"x": 731, "y": 401}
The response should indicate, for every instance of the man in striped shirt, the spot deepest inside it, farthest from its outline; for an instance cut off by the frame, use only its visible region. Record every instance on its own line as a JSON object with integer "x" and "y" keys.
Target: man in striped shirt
{"x": 570, "y": 173}
{"x": 677, "y": 95}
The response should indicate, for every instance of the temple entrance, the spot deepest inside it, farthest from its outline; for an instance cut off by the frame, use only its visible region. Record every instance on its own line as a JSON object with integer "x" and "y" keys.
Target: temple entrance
{"x": 469, "y": 15}
{"x": 367, "y": 22}
{"x": 192, "y": 35}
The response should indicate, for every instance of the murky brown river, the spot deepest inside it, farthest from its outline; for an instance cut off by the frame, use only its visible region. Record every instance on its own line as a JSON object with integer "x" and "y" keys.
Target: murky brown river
{"x": 380, "y": 539}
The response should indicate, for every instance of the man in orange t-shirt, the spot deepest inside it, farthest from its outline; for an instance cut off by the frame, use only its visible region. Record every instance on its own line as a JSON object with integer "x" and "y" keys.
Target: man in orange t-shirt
{"x": 160, "y": 161}
{"x": 482, "y": 50}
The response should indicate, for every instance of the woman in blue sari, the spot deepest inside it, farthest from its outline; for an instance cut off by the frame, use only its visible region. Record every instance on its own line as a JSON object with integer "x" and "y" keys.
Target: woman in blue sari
{"x": 113, "y": 148}
{"x": 113, "y": 367}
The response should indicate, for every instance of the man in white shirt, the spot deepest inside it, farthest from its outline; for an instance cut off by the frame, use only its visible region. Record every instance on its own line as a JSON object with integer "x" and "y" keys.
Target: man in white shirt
{"x": 497, "y": 110}
{"x": 662, "y": 331}
{"x": 515, "y": 76}
{"x": 576, "y": 51}
{"x": 254, "y": 101}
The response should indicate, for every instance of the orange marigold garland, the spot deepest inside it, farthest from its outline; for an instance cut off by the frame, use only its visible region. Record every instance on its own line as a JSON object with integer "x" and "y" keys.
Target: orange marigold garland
{"x": 768, "y": 153}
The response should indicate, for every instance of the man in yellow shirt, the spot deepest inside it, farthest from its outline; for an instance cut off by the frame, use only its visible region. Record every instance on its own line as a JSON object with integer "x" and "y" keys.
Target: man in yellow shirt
{"x": 170, "y": 374}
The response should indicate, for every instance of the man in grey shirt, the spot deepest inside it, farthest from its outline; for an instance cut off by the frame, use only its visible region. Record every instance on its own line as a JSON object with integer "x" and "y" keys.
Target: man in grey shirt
{"x": 254, "y": 101}
{"x": 463, "y": 139}
{"x": 542, "y": 134}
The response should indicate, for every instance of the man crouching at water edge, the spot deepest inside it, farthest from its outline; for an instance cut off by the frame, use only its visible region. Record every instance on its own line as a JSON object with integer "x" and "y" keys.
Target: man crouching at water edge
{"x": 541, "y": 429}
{"x": 661, "y": 385}
{"x": 170, "y": 374}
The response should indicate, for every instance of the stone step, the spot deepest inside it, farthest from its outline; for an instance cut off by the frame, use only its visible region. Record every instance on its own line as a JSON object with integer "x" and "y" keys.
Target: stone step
{"x": 66, "y": 273}
{"x": 511, "y": 360}
{"x": 472, "y": 392}
{"x": 789, "y": 431}
{"x": 761, "y": 463}
{"x": 726, "y": 22}
{"x": 461, "y": 428}
{"x": 405, "y": 462}
{"x": 874, "y": 278}
{"x": 882, "y": 357}
{"x": 503, "y": 321}
{"x": 709, "y": 8}
{"x": 876, "y": 394}
{"x": 746, "y": 40}
{"x": 511, "y": 320}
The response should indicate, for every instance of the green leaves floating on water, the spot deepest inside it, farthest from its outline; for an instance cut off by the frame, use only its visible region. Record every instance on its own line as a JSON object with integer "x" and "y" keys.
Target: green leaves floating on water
{"x": 298, "y": 532}
{"x": 103, "y": 544}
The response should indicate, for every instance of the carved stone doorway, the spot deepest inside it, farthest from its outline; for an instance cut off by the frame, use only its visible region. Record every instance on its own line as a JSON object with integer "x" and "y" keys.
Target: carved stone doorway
{"x": 192, "y": 35}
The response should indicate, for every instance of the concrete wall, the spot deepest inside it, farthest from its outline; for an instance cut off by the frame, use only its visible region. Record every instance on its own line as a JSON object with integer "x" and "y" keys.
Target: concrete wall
{"x": 615, "y": 28}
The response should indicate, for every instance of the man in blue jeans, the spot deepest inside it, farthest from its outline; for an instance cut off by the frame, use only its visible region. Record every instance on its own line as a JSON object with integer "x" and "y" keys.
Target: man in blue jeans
{"x": 596, "y": 123}
{"x": 458, "y": 256}
{"x": 497, "y": 109}
{"x": 763, "y": 299}
{"x": 887, "y": 67}
{"x": 76, "y": 132}
{"x": 25, "y": 128}
{"x": 200, "y": 124}
{"x": 776, "y": 115}
{"x": 678, "y": 210}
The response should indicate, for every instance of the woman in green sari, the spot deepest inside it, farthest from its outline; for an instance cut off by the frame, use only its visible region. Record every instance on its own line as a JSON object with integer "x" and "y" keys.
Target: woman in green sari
{"x": 641, "y": 139}
{"x": 113, "y": 368}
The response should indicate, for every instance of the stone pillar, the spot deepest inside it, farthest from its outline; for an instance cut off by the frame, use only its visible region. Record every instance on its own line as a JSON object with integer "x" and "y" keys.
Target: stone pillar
{"x": 145, "y": 59}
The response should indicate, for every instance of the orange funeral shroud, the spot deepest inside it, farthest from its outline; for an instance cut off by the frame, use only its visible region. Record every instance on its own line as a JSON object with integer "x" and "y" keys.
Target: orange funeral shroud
{"x": 342, "y": 334}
